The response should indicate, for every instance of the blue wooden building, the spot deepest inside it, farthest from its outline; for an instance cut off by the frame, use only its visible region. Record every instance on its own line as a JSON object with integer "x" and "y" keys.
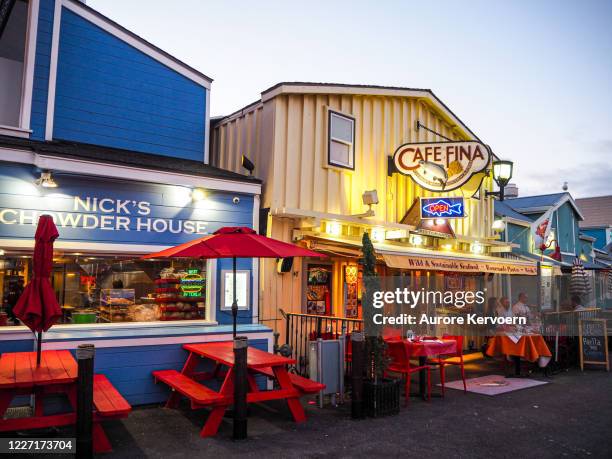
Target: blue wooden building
{"x": 109, "y": 135}
{"x": 519, "y": 214}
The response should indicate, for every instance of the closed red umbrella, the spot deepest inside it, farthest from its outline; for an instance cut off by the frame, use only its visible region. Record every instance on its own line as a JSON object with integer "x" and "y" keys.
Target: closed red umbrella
{"x": 235, "y": 242}
{"x": 37, "y": 306}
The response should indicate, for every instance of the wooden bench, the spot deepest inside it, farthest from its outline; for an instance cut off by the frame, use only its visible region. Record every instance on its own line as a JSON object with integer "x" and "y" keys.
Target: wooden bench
{"x": 108, "y": 404}
{"x": 304, "y": 385}
{"x": 199, "y": 394}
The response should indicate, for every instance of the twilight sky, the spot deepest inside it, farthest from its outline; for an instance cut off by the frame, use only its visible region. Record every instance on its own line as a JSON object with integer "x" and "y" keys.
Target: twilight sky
{"x": 530, "y": 78}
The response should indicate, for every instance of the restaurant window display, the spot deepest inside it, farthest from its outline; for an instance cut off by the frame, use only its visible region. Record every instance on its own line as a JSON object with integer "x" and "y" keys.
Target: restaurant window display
{"x": 110, "y": 290}
{"x": 319, "y": 289}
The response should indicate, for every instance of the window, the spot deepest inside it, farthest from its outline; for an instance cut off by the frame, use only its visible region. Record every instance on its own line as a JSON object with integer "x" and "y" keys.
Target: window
{"x": 341, "y": 147}
{"x": 13, "y": 34}
{"x": 101, "y": 289}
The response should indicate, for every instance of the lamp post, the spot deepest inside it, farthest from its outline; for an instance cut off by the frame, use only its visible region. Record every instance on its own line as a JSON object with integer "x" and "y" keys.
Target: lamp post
{"x": 502, "y": 173}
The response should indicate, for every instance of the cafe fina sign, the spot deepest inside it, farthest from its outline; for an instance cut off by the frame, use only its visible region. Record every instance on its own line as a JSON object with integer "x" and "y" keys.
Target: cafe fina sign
{"x": 441, "y": 166}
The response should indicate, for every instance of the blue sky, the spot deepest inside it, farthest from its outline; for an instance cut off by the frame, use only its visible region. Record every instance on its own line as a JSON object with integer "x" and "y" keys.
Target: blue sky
{"x": 530, "y": 78}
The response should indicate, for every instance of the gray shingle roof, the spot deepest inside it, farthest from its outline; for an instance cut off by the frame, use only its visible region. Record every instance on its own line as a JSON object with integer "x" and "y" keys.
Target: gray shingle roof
{"x": 597, "y": 211}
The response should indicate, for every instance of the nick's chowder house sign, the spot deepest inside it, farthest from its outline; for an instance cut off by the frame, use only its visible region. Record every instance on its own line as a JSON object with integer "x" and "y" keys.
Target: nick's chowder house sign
{"x": 441, "y": 166}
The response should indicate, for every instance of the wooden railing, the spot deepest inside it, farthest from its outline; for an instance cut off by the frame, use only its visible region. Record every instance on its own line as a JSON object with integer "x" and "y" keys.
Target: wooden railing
{"x": 302, "y": 328}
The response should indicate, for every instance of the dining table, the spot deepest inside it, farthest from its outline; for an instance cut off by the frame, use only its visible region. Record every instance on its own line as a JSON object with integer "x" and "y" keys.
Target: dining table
{"x": 531, "y": 347}
{"x": 221, "y": 354}
{"x": 422, "y": 348}
{"x": 20, "y": 375}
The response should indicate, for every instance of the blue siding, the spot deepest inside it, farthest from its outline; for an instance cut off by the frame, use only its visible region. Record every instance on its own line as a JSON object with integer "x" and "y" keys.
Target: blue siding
{"x": 599, "y": 234}
{"x": 40, "y": 90}
{"x": 129, "y": 367}
{"x": 109, "y": 93}
{"x": 224, "y": 317}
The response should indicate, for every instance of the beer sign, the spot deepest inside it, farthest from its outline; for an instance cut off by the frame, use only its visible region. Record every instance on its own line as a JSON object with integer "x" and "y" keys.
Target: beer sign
{"x": 441, "y": 166}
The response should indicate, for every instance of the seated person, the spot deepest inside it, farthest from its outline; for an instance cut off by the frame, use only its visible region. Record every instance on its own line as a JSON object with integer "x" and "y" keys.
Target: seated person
{"x": 520, "y": 308}
{"x": 503, "y": 308}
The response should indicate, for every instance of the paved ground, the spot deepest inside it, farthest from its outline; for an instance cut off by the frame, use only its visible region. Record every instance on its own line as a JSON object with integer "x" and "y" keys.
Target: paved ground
{"x": 571, "y": 416}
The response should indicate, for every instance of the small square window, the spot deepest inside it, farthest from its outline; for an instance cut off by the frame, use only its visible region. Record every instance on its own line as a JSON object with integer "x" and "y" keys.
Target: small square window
{"x": 341, "y": 142}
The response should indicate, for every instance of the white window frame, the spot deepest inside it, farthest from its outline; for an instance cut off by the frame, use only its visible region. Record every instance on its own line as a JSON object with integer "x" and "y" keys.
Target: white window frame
{"x": 330, "y": 114}
{"x": 27, "y": 81}
{"x": 239, "y": 272}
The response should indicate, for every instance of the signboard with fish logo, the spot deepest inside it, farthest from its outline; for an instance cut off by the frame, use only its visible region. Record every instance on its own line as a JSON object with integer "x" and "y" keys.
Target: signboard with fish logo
{"x": 442, "y": 208}
{"x": 441, "y": 166}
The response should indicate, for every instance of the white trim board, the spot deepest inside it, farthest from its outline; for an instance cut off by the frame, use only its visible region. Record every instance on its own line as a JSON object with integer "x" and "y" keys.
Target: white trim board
{"x": 28, "y": 74}
{"x": 85, "y": 247}
{"x": 108, "y": 26}
{"x": 57, "y": 16}
{"x": 78, "y": 166}
{"x": 126, "y": 342}
{"x": 207, "y": 127}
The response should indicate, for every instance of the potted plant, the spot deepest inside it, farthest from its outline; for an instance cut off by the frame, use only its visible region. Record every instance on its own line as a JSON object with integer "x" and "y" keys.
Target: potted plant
{"x": 381, "y": 396}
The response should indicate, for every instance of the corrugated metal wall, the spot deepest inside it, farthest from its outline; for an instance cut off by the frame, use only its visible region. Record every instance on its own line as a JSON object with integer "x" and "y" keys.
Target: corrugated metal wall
{"x": 286, "y": 138}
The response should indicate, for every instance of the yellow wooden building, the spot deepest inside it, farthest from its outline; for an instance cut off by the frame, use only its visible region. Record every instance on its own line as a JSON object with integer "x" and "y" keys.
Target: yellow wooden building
{"x": 323, "y": 152}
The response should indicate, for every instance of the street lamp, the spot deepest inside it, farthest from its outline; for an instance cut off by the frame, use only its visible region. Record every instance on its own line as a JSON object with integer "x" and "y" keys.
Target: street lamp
{"x": 502, "y": 173}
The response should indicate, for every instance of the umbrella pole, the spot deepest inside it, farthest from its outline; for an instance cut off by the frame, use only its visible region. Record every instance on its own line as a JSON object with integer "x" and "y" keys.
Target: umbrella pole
{"x": 38, "y": 348}
{"x": 235, "y": 302}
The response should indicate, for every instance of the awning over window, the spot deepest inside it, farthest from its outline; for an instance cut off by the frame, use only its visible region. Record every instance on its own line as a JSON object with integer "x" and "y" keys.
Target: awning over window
{"x": 458, "y": 264}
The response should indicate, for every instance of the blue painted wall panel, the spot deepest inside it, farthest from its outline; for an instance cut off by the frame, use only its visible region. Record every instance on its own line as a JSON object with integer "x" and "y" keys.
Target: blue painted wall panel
{"x": 40, "y": 90}
{"x": 109, "y": 93}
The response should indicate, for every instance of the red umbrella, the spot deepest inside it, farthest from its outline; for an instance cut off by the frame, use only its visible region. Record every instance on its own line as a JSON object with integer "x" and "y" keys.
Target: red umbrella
{"x": 235, "y": 242}
{"x": 37, "y": 306}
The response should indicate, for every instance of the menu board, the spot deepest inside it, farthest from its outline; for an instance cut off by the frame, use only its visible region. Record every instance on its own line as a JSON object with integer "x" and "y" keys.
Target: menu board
{"x": 593, "y": 343}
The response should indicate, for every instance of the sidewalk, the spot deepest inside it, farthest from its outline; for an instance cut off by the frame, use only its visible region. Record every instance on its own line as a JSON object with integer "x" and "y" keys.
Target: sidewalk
{"x": 571, "y": 416}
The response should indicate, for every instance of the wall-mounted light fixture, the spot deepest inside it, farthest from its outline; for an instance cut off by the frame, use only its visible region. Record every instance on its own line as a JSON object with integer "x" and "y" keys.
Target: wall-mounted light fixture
{"x": 369, "y": 198}
{"x": 198, "y": 194}
{"x": 46, "y": 180}
{"x": 477, "y": 248}
{"x": 502, "y": 173}
{"x": 247, "y": 164}
{"x": 498, "y": 226}
{"x": 378, "y": 234}
{"x": 416, "y": 239}
{"x": 333, "y": 228}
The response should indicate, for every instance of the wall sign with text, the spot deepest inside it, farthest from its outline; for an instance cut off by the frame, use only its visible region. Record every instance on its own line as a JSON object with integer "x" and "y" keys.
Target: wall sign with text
{"x": 442, "y": 208}
{"x": 441, "y": 166}
{"x": 97, "y": 209}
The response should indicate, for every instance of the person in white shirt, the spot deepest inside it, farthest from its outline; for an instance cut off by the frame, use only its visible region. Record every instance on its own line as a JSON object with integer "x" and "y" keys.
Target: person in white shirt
{"x": 503, "y": 308}
{"x": 520, "y": 308}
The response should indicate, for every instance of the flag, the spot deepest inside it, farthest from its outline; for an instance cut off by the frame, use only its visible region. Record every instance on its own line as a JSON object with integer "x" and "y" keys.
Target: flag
{"x": 540, "y": 230}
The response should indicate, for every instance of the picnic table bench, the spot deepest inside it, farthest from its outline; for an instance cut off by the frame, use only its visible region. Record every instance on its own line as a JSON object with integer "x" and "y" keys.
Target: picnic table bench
{"x": 57, "y": 374}
{"x": 185, "y": 383}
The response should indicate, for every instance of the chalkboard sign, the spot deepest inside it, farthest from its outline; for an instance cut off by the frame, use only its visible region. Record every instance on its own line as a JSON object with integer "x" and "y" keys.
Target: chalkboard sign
{"x": 593, "y": 343}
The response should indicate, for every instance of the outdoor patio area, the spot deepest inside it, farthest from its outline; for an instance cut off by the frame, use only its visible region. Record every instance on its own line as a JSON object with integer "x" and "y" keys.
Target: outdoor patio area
{"x": 569, "y": 416}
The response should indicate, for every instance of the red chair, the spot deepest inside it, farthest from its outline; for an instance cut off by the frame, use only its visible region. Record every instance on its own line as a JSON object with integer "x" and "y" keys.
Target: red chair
{"x": 398, "y": 353}
{"x": 455, "y": 358}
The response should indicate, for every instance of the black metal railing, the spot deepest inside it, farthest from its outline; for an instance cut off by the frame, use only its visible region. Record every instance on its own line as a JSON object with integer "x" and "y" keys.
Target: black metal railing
{"x": 302, "y": 328}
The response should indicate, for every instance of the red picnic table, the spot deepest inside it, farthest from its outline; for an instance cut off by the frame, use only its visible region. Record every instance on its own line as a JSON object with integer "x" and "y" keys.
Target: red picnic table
{"x": 57, "y": 374}
{"x": 291, "y": 386}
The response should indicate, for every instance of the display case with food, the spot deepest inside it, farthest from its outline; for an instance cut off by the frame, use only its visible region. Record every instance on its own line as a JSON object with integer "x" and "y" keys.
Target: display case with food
{"x": 115, "y": 304}
{"x": 179, "y": 295}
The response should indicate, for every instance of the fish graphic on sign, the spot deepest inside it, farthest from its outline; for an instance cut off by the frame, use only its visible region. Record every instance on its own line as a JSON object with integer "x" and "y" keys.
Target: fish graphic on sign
{"x": 442, "y": 208}
{"x": 433, "y": 172}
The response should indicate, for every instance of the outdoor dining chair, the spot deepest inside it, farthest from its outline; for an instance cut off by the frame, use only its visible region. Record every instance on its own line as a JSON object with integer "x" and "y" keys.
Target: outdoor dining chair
{"x": 397, "y": 351}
